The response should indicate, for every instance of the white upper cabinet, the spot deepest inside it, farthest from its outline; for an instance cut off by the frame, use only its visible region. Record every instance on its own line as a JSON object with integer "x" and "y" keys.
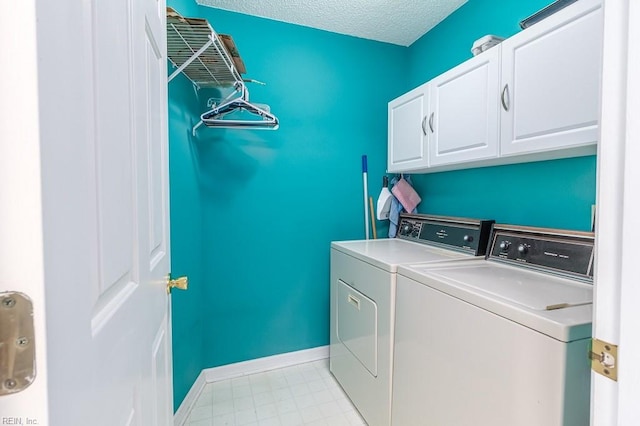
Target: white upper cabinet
{"x": 464, "y": 111}
{"x": 407, "y": 138}
{"x": 534, "y": 97}
{"x": 551, "y": 82}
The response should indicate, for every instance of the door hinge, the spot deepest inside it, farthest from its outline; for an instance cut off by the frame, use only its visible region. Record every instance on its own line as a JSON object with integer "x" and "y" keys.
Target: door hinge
{"x": 17, "y": 343}
{"x": 604, "y": 358}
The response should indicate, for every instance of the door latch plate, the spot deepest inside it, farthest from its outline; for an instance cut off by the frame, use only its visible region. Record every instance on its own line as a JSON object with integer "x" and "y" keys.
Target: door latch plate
{"x": 17, "y": 343}
{"x": 604, "y": 358}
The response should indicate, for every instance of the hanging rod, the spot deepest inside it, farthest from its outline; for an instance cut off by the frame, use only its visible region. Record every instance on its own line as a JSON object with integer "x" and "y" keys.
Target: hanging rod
{"x": 216, "y": 116}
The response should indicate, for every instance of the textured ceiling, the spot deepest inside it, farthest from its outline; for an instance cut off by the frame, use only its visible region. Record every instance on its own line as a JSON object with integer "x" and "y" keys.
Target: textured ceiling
{"x": 397, "y": 21}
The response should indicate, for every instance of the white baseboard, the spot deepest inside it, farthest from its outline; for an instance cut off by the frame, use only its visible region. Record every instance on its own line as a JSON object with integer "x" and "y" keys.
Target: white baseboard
{"x": 260, "y": 365}
{"x": 239, "y": 369}
{"x": 183, "y": 411}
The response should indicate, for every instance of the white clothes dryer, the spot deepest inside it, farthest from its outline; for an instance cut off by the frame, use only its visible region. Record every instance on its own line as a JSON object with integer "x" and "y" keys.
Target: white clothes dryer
{"x": 497, "y": 342}
{"x": 363, "y": 291}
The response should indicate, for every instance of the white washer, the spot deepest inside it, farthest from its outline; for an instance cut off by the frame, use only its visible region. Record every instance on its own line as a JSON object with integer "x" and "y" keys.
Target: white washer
{"x": 363, "y": 288}
{"x": 499, "y": 342}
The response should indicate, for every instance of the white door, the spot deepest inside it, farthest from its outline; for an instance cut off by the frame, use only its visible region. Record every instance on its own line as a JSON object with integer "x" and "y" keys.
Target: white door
{"x": 408, "y": 121}
{"x": 617, "y": 296}
{"x": 84, "y": 227}
{"x": 551, "y": 80}
{"x": 464, "y": 101}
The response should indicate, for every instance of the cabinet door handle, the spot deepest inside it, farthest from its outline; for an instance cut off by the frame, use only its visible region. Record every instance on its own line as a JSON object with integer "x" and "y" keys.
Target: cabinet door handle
{"x": 505, "y": 97}
{"x": 424, "y": 122}
{"x": 431, "y": 122}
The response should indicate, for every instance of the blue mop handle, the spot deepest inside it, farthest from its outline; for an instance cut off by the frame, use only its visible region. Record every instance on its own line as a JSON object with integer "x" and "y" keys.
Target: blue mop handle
{"x": 366, "y": 197}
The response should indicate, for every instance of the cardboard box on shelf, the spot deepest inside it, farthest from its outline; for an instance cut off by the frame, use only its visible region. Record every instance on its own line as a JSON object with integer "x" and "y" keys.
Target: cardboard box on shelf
{"x": 230, "y": 45}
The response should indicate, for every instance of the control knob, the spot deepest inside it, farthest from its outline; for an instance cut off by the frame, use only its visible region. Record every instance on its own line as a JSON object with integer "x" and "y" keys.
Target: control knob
{"x": 406, "y": 228}
{"x": 523, "y": 249}
{"x": 504, "y": 245}
{"x": 468, "y": 238}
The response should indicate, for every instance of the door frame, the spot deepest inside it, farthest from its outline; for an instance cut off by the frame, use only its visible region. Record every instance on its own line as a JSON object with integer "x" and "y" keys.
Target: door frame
{"x": 21, "y": 219}
{"x": 618, "y": 205}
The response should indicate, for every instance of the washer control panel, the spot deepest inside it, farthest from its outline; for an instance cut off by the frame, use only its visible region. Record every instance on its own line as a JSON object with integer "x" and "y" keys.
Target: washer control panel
{"x": 556, "y": 251}
{"x": 469, "y": 235}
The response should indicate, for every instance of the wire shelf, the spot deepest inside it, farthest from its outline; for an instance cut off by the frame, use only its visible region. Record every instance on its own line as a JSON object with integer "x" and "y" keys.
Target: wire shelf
{"x": 198, "y": 52}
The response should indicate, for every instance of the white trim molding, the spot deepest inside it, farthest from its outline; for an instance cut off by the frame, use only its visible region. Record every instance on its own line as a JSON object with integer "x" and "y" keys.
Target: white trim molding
{"x": 260, "y": 365}
{"x": 616, "y": 293}
{"x": 239, "y": 369}
{"x": 182, "y": 414}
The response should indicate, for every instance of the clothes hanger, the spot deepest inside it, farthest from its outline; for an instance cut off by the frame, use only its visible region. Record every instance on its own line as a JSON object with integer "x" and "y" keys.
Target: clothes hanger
{"x": 216, "y": 116}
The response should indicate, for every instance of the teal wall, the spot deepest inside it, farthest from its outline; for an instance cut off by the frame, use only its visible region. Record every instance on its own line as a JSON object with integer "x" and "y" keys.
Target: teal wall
{"x": 274, "y": 200}
{"x": 556, "y": 194}
{"x": 552, "y": 193}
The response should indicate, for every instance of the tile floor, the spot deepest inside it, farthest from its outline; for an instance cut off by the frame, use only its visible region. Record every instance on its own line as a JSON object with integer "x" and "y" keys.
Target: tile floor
{"x": 304, "y": 394}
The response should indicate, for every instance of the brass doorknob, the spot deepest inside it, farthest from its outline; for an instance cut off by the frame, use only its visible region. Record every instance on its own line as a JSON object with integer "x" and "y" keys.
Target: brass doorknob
{"x": 181, "y": 283}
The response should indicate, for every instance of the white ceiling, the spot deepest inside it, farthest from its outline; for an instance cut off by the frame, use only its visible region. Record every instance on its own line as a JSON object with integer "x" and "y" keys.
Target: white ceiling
{"x": 399, "y": 22}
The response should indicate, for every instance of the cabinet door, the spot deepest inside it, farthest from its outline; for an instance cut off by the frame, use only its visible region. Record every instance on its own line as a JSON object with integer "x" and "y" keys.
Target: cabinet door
{"x": 551, "y": 82}
{"x": 407, "y": 143}
{"x": 464, "y": 111}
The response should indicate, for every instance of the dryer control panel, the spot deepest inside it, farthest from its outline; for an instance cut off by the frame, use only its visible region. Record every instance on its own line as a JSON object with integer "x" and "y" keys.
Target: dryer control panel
{"x": 561, "y": 252}
{"x": 468, "y": 235}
